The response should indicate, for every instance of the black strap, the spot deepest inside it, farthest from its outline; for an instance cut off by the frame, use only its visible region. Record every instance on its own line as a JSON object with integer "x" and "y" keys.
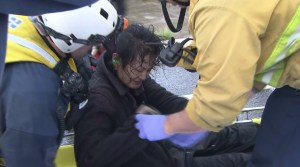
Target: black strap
{"x": 60, "y": 112}
{"x": 168, "y": 20}
{"x": 191, "y": 56}
{"x": 188, "y": 157}
{"x": 61, "y": 67}
{"x": 76, "y": 92}
{"x": 172, "y": 54}
{"x": 73, "y": 116}
{"x": 182, "y": 3}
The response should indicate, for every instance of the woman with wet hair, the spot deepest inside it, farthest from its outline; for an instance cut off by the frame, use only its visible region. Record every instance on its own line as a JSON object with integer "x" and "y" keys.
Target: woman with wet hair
{"x": 105, "y": 135}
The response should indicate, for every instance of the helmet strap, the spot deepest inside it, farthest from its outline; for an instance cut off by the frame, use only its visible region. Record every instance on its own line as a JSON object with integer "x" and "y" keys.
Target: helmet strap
{"x": 47, "y": 31}
{"x": 46, "y": 40}
{"x": 182, "y": 3}
{"x": 168, "y": 20}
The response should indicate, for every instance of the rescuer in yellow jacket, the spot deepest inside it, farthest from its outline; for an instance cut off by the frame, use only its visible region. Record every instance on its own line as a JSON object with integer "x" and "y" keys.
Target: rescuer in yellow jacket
{"x": 40, "y": 79}
{"x": 242, "y": 46}
{"x": 40, "y": 7}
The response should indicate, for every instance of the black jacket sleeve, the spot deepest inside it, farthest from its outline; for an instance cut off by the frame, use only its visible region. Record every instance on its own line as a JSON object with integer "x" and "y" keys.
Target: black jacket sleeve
{"x": 98, "y": 143}
{"x": 163, "y": 100}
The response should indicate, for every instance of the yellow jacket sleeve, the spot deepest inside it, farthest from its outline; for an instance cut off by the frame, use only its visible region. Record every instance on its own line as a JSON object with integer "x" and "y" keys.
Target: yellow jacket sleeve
{"x": 237, "y": 42}
{"x": 228, "y": 50}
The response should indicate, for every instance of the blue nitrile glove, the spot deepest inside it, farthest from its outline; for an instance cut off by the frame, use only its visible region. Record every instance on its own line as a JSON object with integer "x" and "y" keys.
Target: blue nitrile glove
{"x": 188, "y": 139}
{"x": 151, "y": 127}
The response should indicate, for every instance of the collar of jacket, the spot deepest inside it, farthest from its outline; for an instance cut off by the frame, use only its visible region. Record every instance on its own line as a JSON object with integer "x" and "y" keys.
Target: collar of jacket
{"x": 116, "y": 83}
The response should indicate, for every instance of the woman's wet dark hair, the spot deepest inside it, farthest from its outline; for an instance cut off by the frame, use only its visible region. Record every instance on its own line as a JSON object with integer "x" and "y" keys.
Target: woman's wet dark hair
{"x": 137, "y": 41}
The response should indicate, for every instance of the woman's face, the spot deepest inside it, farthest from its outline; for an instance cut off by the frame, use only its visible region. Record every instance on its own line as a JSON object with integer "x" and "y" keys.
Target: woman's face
{"x": 136, "y": 72}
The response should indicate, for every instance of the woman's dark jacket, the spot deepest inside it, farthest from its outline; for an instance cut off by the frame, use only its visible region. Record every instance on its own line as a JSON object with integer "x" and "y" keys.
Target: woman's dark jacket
{"x": 105, "y": 135}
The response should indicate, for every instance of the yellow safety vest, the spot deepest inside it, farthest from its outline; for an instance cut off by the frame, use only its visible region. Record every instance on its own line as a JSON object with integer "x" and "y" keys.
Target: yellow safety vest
{"x": 25, "y": 44}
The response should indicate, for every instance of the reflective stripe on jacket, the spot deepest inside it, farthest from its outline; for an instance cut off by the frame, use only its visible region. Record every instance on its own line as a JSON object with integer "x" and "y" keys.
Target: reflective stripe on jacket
{"x": 287, "y": 45}
{"x": 240, "y": 47}
{"x": 25, "y": 44}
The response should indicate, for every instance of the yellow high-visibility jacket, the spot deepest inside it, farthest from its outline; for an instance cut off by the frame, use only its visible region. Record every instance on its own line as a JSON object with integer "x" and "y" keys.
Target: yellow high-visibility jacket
{"x": 241, "y": 44}
{"x": 26, "y": 45}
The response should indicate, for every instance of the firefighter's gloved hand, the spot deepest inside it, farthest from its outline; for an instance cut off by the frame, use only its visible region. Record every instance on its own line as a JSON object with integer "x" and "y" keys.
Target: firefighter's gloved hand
{"x": 188, "y": 140}
{"x": 151, "y": 127}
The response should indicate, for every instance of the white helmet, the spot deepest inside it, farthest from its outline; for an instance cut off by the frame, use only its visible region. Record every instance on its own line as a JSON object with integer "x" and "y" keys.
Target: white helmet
{"x": 86, "y": 25}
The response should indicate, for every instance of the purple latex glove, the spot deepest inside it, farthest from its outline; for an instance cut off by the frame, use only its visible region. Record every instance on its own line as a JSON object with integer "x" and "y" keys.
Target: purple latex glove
{"x": 188, "y": 139}
{"x": 151, "y": 127}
